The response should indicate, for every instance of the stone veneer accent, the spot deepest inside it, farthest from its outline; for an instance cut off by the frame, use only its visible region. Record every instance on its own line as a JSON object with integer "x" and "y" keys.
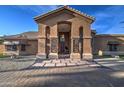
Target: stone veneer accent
{"x": 54, "y": 45}
{"x": 76, "y": 45}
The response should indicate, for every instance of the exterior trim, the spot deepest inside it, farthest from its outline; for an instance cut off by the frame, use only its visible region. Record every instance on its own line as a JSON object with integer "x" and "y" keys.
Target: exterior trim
{"x": 87, "y": 56}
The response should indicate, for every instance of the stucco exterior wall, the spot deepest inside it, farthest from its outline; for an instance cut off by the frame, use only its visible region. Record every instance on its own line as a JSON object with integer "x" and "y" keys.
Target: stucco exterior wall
{"x": 101, "y": 43}
{"x": 2, "y": 48}
{"x": 76, "y": 21}
{"x": 32, "y": 48}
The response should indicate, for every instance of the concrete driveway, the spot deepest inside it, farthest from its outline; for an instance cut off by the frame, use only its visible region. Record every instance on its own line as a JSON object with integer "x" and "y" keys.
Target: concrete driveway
{"x": 7, "y": 64}
{"x": 112, "y": 63}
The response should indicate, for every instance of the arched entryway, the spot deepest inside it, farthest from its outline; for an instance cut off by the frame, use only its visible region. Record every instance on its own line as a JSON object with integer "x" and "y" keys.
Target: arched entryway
{"x": 64, "y": 39}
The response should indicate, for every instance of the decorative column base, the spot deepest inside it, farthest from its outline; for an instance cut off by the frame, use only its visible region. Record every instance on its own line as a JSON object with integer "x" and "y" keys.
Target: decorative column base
{"x": 87, "y": 56}
{"x": 75, "y": 56}
{"x": 41, "y": 55}
{"x": 53, "y": 55}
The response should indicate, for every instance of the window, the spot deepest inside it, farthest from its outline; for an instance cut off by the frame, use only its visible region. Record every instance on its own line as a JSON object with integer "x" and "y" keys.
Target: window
{"x": 112, "y": 47}
{"x": 47, "y": 35}
{"x": 14, "y": 47}
{"x": 11, "y": 47}
{"x": 23, "y": 47}
{"x": 8, "y": 47}
{"x": 47, "y": 32}
{"x": 62, "y": 38}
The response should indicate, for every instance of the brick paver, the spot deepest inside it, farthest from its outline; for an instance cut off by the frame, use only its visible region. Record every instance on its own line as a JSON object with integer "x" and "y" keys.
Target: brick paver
{"x": 59, "y": 63}
{"x": 71, "y": 64}
{"x": 80, "y": 63}
{"x": 85, "y": 75}
{"x": 49, "y": 65}
{"x": 61, "y": 77}
{"x": 38, "y": 64}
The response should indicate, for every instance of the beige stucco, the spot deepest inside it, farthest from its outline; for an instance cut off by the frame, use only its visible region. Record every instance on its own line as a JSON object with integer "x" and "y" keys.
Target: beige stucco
{"x": 76, "y": 22}
{"x": 2, "y": 48}
{"x": 30, "y": 48}
{"x": 101, "y": 43}
{"x": 68, "y": 23}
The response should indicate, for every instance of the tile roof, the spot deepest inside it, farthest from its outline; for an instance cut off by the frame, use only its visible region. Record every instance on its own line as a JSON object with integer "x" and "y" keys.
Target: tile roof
{"x": 68, "y": 8}
{"x": 102, "y": 35}
{"x": 26, "y": 35}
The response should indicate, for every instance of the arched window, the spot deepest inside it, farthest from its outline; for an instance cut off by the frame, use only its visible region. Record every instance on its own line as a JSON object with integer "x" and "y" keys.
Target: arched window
{"x": 47, "y": 31}
{"x": 81, "y": 32}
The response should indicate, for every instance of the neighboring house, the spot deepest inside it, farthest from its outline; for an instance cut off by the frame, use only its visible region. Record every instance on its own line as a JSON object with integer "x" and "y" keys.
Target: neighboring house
{"x": 1, "y": 45}
{"x": 110, "y": 44}
{"x": 64, "y": 32}
{"x": 21, "y": 44}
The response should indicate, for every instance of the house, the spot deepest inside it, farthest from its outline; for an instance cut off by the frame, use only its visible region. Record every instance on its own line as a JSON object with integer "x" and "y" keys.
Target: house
{"x": 64, "y": 32}
{"x": 1, "y": 45}
{"x": 110, "y": 44}
{"x": 21, "y": 44}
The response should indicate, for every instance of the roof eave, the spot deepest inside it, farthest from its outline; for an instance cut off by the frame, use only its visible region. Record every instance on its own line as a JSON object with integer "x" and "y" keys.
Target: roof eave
{"x": 46, "y": 14}
{"x": 68, "y": 8}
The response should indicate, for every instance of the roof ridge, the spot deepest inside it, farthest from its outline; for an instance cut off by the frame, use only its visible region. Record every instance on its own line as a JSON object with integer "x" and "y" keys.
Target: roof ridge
{"x": 29, "y": 31}
{"x": 110, "y": 34}
{"x": 80, "y": 12}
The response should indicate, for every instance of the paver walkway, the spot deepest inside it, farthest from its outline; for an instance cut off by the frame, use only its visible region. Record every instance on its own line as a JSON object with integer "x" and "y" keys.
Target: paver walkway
{"x": 87, "y": 75}
{"x": 60, "y": 63}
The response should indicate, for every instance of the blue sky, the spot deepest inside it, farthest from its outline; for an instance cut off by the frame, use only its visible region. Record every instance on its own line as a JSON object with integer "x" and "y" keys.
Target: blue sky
{"x": 17, "y": 19}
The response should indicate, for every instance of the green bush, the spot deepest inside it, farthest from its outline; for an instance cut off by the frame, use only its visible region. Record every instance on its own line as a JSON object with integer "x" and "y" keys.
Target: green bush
{"x": 3, "y": 56}
{"x": 121, "y": 56}
{"x": 1, "y": 41}
{"x": 103, "y": 56}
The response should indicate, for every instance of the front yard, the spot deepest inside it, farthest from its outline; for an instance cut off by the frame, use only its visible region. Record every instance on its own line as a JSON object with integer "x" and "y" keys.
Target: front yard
{"x": 6, "y": 63}
{"x": 3, "y": 56}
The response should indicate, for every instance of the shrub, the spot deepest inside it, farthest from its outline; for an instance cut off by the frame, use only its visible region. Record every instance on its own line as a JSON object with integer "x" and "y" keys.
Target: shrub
{"x": 1, "y": 41}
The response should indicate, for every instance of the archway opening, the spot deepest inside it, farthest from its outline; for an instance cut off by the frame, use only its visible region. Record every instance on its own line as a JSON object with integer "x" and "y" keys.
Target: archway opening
{"x": 64, "y": 39}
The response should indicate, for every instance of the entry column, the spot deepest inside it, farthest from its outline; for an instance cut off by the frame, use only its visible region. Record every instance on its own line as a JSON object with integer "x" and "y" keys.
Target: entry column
{"x": 75, "y": 41}
{"x": 87, "y": 48}
{"x": 53, "y": 42}
{"x": 41, "y": 42}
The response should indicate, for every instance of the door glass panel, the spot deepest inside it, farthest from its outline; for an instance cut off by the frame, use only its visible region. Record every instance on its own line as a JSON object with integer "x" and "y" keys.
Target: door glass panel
{"x": 62, "y": 38}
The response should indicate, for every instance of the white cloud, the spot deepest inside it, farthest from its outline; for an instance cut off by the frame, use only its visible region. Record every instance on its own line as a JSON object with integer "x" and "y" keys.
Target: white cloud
{"x": 116, "y": 29}
{"x": 38, "y": 8}
{"x": 108, "y": 20}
